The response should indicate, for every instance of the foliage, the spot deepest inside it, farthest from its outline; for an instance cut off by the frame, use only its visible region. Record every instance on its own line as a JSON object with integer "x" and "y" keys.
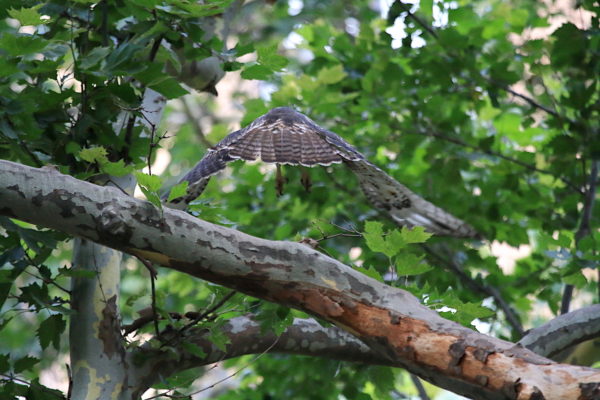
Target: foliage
{"x": 459, "y": 100}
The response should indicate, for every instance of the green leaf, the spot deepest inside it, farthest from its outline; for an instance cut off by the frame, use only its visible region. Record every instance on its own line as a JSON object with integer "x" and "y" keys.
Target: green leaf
{"x": 372, "y": 272}
{"x": 383, "y": 380}
{"x": 576, "y": 279}
{"x": 94, "y": 154}
{"x": 242, "y": 49}
{"x": 331, "y": 75}
{"x": 25, "y": 364}
{"x": 394, "y": 241}
{"x": 149, "y": 182}
{"x": 117, "y": 60}
{"x": 169, "y": 88}
{"x": 219, "y": 339}
{"x": 92, "y": 58}
{"x": 565, "y": 239}
{"x": 28, "y": 16}
{"x": 257, "y": 71}
{"x": 20, "y": 45}
{"x": 373, "y": 235}
{"x": 152, "y": 197}
{"x": 178, "y": 190}
{"x": 117, "y": 169}
{"x": 4, "y": 363}
{"x": 77, "y": 272}
{"x": 408, "y": 264}
{"x": 50, "y": 331}
{"x": 268, "y": 57}
{"x": 194, "y": 349}
{"x": 415, "y": 235}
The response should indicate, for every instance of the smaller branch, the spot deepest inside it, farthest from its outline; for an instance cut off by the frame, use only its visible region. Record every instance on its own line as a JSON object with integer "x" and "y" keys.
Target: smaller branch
{"x": 511, "y": 315}
{"x": 564, "y": 331}
{"x": 527, "y": 99}
{"x": 155, "y": 48}
{"x": 153, "y": 276}
{"x": 303, "y": 337}
{"x": 234, "y": 373}
{"x": 195, "y": 124}
{"x": 70, "y": 376}
{"x": 36, "y": 385}
{"x": 418, "y": 19}
{"x": 345, "y": 232}
{"x": 45, "y": 280}
{"x": 499, "y": 155}
{"x": 420, "y": 388}
{"x": 584, "y": 227}
{"x": 208, "y": 312}
{"x": 146, "y": 316}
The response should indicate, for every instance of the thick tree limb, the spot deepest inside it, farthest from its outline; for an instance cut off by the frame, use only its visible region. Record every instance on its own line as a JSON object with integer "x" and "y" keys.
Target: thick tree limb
{"x": 564, "y": 331}
{"x": 303, "y": 337}
{"x": 390, "y": 321}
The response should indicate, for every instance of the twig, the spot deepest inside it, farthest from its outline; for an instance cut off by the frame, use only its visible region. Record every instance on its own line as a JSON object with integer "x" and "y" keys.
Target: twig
{"x": 144, "y": 319}
{"x": 152, "y": 146}
{"x": 527, "y": 99}
{"x": 496, "y": 154}
{"x": 195, "y": 124}
{"x": 417, "y": 19}
{"x": 206, "y": 313}
{"x": 420, "y": 388}
{"x": 48, "y": 281}
{"x": 346, "y": 232}
{"x": 153, "y": 276}
{"x": 220, "y": 380}
{"x": 70, "y": 376}
{"x": 36, "y": 385}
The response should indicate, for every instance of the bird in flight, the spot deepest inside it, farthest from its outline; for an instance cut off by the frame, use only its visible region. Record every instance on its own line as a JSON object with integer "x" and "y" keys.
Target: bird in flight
{"x": 285, "y": 136}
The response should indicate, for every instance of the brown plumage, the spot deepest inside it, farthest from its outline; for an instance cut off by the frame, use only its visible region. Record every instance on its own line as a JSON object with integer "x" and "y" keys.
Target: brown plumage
{"x": 285, "y": 136}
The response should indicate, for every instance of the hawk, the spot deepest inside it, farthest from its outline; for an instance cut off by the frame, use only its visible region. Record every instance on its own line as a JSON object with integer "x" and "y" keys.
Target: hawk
{"x": 285, "y": 136}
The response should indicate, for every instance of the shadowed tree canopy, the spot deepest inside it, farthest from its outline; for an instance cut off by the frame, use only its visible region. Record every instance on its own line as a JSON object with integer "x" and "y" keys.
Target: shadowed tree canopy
{"x": 261, "y": 289}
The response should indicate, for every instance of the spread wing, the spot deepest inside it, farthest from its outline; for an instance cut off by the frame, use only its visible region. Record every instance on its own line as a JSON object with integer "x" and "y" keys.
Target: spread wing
{"x": 282, "y": 136}
{"x": 285, "y": 136}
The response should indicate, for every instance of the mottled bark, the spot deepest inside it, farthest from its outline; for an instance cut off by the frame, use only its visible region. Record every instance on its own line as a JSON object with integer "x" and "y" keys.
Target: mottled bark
{"x": 100, "y": 369}
{"x": 390, "y": 321}
{"x": 304, "y": 337}
{"x": 564, "y": 331}
{"x": 96, "y": 349}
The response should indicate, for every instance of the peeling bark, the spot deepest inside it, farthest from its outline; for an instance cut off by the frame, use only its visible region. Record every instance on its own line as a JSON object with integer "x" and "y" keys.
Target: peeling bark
{"x": 390, "y": 321}
{"x": 96, "y": 348}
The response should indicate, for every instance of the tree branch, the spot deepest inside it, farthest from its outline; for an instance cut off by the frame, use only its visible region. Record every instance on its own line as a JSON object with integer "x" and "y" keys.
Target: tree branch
{"x": 390, "y": 321}
{"x": 564, "y": 331}
{"x": 303, "y": 337}
{"x": 195, "y": 124}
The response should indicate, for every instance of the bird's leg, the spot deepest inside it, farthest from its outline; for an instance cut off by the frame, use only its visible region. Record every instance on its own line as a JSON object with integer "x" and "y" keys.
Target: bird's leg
{"x": 305, "y": 179}
{"x": 279, "y": 181}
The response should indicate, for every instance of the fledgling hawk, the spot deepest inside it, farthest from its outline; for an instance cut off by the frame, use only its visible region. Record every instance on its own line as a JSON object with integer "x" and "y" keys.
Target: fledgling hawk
{"x": 285, "y": 136}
